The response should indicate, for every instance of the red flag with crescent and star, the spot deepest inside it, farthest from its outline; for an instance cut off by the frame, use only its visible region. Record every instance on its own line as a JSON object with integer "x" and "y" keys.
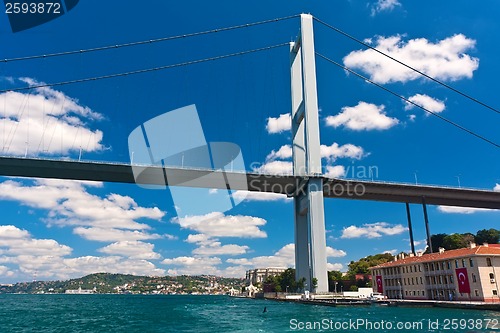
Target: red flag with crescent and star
{"x": 463, "y": 280}
{"x": 380, "y": 288}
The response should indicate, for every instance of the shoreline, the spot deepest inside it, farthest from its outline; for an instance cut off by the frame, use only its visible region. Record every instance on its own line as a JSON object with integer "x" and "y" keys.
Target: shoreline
{"x": 392, "y": 303}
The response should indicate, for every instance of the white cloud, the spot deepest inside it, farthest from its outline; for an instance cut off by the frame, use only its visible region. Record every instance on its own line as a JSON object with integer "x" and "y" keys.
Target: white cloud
{"x": 259, "y": 196}
{"x": 364, "y": 116}
{"x": 131, "y": 249}
{"x": 46, "y": 121}
{"x": 496, "y": 188}
{"x": 284, "y": 257}
{"x": 25, "y": 256}
{"x": 335, "y": 151}
{"x": 19, "y": 242}
{"x": 275, "y": 168}
{"x": 444, "y": 60}
{"x": 220, "y": 225}
{"x": 393, "y": 251}
{"x": 334, "y": 267}
{"x": 463, "y": 210}
{"x": 280, "y": 124}
{"x": 331, "y": 252}
{"x": 113, "y": 235}
{"x": 426, "y": 102}
{"x": 193, "y": 265}
{"x": 216, "y": 248}
{"x": 335, "y": 171}
{"x": 373, "y": 230}
{"x": 384, "y": 5}
{"x": 70, "y": 204}
{"x": 285, "y": 152}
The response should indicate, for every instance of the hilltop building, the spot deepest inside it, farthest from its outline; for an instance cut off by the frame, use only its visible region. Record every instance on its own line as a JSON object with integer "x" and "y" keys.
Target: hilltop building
{"x": 259, "y": 275}
{"x": 467, "y": 274}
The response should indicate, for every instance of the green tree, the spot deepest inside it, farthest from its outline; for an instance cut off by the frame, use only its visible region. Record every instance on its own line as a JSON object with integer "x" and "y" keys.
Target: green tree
{"x": 334, "y": 277}
{"x": 490, "y": 236}
{"x": 362, "y": 265}
{"x": 455, "y": 241}
{"x": 314, "y": 283}
{"x": 437, "y": 242}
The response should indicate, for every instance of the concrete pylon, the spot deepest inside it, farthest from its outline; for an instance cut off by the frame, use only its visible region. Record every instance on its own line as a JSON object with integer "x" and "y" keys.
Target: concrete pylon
{"x": 310, "y": 239}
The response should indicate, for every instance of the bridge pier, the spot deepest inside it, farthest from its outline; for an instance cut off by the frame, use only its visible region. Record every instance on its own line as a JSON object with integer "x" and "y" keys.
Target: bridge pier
{"x": 310, "y": 239}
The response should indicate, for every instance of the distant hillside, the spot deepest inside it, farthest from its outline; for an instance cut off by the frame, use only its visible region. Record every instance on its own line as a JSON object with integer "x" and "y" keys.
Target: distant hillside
{"x": 124, "y": 283}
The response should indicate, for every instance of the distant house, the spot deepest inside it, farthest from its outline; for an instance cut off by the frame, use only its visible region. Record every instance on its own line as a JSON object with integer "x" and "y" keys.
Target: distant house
{"x": 80, "y": 291}
{"x": 259, "y": 275}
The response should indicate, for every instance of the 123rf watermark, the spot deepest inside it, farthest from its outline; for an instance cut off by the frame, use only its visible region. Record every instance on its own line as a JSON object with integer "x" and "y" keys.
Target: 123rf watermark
{"x": 424, "y": 325}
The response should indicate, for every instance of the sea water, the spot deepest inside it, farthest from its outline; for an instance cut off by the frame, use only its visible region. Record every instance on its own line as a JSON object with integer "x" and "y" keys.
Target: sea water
{"x": 214, "y": 314}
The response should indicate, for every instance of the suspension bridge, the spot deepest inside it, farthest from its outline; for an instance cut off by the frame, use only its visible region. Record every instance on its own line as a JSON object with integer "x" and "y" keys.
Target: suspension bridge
{"x": 307, "y": 185}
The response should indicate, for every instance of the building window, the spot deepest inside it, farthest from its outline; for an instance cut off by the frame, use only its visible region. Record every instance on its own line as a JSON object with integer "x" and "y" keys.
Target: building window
{"x": 492, "y": 278}
{"x": 437, "y": 266}
{"x": 445, "y": 280}
{"x": 423, "y": 293}
{"x": 476, "y": 292}
{"x": 451, "y": 278}
{"x": 474, "y": 278}
{"x": 442, "y": 265}
{"x": 448, "y": 265}
{"x": 463, "y": 263}
{"x": 432, "y": 266}
{"x": 456, "y": 263}
{"x": 421, "y": 282}
{"x": 495, "y": 293}
{"x": 488, "y": 262}
{"x": 471, "y": 263}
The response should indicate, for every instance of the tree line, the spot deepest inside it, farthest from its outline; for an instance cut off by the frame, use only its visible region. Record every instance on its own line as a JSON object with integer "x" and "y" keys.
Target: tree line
{"x": 457, "y": 241}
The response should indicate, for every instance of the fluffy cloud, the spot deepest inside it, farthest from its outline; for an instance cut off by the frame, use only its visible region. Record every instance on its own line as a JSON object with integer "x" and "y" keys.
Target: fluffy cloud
{"x": 259, "y": 196}
{"x": 384, "y": 6}
{"x": 46, "y": 121}
{"x": 25, "y": 256}
{"x": 335, "y": 171}
{"x": 284, "y": 257}
{"x": 334, "y": 267}
{"x": 275, "y": 168}
{"x": 193, "y": 265}
{"x": 216, "y": 248}
{"x": 444, "y": 60}
{"x": 15, "y": 241}
{"x": 220, "y": 225}
{"x": 496, "y": 188}
{"x": 280, "y": 124}
{"x": 373, "y": 230}
{"x": 426, "y": 102}
{"x": 463, "y": 210}
{"x": 112, "y": 234}
{"x": 285, "y": 152}
{"x": 364, "y": 116}
{"x": 70, "y": 204}
{"x": 131, "y": 249}
{"x": 335, "y": 151}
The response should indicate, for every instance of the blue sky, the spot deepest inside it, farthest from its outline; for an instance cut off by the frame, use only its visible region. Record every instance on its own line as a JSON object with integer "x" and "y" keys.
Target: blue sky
{"x": 56, "y": 229}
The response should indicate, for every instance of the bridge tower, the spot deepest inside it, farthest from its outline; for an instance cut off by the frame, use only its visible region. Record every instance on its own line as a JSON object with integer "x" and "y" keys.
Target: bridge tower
{"x": 310, "y": 239}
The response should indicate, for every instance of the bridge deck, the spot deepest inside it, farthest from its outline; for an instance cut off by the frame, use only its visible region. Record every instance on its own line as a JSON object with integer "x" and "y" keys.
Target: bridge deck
{"x": 333, "y": 188}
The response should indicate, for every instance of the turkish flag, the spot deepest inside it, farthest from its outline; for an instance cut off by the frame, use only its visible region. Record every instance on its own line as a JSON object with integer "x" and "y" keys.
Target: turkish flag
{"x": 380, "y": 288}
{"x": 463, "y": 280}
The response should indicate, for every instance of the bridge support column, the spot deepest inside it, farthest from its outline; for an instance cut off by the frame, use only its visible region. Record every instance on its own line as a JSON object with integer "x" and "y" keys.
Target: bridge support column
{"x": 427, "y": 229}
{"x": 310, "y": 239}
{"x": 410, "y": 228}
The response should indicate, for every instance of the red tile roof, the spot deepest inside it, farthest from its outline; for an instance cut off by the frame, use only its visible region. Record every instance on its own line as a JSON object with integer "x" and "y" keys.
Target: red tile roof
{"x": 490, "y": 250}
